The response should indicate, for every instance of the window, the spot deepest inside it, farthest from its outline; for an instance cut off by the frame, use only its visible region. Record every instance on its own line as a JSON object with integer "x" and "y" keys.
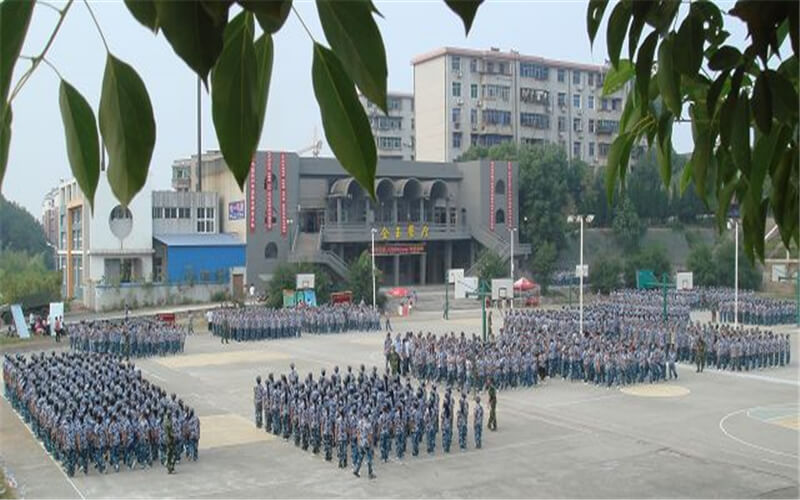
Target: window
{"x": 456, "y": 89}
{"x": 616, "y": 103}
{"x": 604, "y": 104}
{"x": 600, "y": 78}
{"x": 473, "y": 65}
{"x": 590, "y": 101}
{"x": 205, "y": 220}
{"x": 503, "y": 68}
{"x": 455, "y": 63}
{"x": 386, "y": 123}
{"x": 500, "y": 216}
{"x": 561, "y": 74}
{"x": 271, "y": 251}
{"x": 534, "y": 120}
{"x": 500, "y": 187}
{"x": 532, "y": 70}
{"x": 602, "y": 149}
{"x": 562, "y": 123}
{"x": 591, "y": 147}
{"x": 607, "y": 126}
{"x": 577, "y": 125}
{"x": 158, "y": 212}
{"x": 576, "y": 101}
{"x": 456, "y": 115}
{"x": 473, "y": 116}
{"x": 576, "y": 77}
{"x": 590, "y": 78}
{"x": 391, "y": 143}
{"x": 184, "y": 213}
{"x": 394, "y": 104}
{"x": 170, "y": 213}
{"x": 457, "y": 140}
{"x": 576, "y": 149}
{"x": 591, "y": 126}
{"x": 473, "y": 90}
{"x": 489, "y": 67}
{"x": 496, "y": 92}
{"x": 534, "y": 96}
{"x": 496, "y": 117}
{"x": 562, "y": 99}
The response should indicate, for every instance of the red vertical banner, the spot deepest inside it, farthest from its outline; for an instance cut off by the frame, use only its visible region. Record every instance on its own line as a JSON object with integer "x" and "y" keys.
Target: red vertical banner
{"x": 491, "y": 195}
{"x": 253, "y": 195}
{"x": 269, "y": 187}
{"x": 282, "y": 187}
{"x": 509, "y": 197}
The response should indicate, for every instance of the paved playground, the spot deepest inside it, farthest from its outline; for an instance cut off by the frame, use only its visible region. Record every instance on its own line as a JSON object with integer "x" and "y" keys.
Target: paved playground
{"x": 706, "y": 435}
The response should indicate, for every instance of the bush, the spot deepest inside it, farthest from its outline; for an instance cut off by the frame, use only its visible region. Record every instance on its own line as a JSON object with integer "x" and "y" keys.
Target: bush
{"x": 653, "y": 257}
{"x": 604, "y": 274}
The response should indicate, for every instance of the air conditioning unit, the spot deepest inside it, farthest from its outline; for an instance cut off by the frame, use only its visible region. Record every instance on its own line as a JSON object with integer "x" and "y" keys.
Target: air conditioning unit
{"x": 480, "y": 104}
{"x": 459, "y": 74}
{"x": 460, "y": 102}
{"x": 457, "y": 125}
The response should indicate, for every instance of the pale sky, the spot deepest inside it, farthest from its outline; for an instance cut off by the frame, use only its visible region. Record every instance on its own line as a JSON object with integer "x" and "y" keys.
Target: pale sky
{"x": 38, "y": 159}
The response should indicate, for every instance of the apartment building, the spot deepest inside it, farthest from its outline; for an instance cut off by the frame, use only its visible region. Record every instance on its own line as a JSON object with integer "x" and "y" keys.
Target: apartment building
{"x": 466, "y": 97}
{"x": 393, "y": 132}
{"x": 49, "y": 218}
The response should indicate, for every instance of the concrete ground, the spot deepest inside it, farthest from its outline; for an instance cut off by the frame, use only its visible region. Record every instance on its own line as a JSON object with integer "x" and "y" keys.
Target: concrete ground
{"x": 705, "y": 435}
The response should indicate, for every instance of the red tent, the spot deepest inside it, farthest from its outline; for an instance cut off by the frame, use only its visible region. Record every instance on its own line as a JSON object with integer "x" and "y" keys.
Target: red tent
{"x": 524, "y": 285}
{"x": 398, "y": 292}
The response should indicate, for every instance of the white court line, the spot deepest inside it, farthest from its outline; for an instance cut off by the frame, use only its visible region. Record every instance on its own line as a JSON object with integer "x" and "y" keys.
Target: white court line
{"x": 36, "y": 440}
{"x": 761, "y": 378}
{"x": 746, "y": 443}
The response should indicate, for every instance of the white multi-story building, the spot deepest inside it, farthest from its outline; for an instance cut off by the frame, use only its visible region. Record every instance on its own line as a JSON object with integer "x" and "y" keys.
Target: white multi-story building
{"x": 467, "y": 97}
{"x": 394, "y": 132}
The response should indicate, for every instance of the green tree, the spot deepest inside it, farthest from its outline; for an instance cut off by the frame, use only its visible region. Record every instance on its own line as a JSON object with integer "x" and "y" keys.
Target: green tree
{"x": 725, "y": 260}
{"x": 285, "y": 278}
{"x": 701, "y": 263}
{"x": 24, "y": 279}
{"x": 652, "y": 257}
{"x": 604, "y": 274}
{"x": 543, "y": 263}
{"x": 742, "y": 104}
{"x": 20, "y": 231}
{"x": 359, "y": 280}
{"x": 628, "y": 229}
{"x": 490, "y": 266}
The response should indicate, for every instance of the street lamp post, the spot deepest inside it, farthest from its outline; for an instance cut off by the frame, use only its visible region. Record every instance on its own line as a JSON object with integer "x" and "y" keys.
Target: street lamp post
{"x": 581, "y": 219}
{"x": 511, "y": 231}
{"x": 372, "y": 238}
{"x": 735, "y": 223}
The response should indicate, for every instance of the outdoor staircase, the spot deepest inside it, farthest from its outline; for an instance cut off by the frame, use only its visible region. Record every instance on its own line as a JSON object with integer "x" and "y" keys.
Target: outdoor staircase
{"x": 497, "y": 244}
{"x": 307, "y": 247}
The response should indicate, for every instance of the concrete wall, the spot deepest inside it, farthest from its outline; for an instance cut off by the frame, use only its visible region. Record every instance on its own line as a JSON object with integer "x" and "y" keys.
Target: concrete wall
{"x": 184, "y": 261}
{"x": 217, "y": 178}
{"x": 107, "y": 298}
{"x": 430, "y": 110}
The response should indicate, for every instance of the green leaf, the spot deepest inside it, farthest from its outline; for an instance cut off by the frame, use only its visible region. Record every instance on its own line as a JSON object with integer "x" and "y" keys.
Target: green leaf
{"x": 714, "y": 92}
{"x": 724, "y": 197}
{"x": 725, "y": 57}
{"x": 344, "y": 120}
{"x": 618, "y": 155}
{"x": 617, "y": 27}
{"x": 264, "y": 56}
{"x": 15, "y": 16}
{"x": 466, "y": 10}
{"x": 83, "y": 144}
{"x": 668, "y": 78}
{"x": 701, "y": 157}
{"x": 194, "y": 34}
{"x": 356, "y": 40}
{"x": 5, "y": 138}
{"x": 617, "y": 77}
{"x": 783, "y": 96}
{"x": 634, "y": 33}
{"x": 644, "y": 66}
{"x": 128, "y": 128}
{"x": 235, "y": 97}
{"x": 686, "y": 176}
{"x": 662, "y": 14}
{"x": 726, "y": 114}
{"x": 689, "y": 43}
{"x": 740, "y": 134}
{"x": 594, "y": 14}
{"x": 664, "y": 147}
{"x": 217, "y": 9}
{"x": 271, "y": 14}
{"x": 144, "y": 11}
{"x": 762, "y": 103}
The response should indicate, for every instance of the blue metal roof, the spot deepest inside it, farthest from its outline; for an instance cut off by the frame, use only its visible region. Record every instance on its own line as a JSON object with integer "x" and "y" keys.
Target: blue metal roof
{"x": 199, "y": 240}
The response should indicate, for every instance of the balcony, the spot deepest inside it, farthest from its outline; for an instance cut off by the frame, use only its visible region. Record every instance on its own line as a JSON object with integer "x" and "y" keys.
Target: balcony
{"x": 354, "y": 232}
